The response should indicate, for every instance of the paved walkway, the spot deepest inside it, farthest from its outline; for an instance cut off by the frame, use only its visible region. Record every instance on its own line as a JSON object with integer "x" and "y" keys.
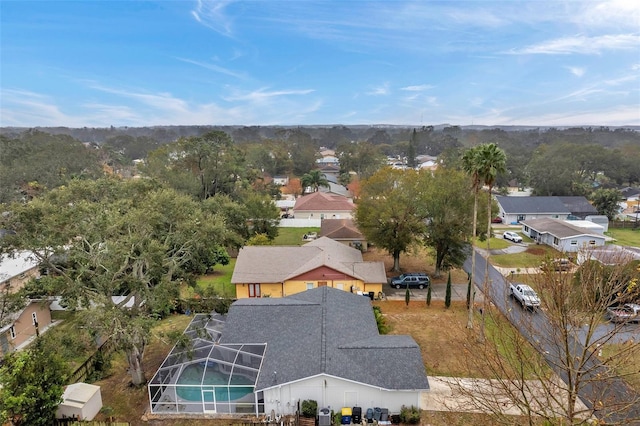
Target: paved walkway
{"x": 455, "y": 394}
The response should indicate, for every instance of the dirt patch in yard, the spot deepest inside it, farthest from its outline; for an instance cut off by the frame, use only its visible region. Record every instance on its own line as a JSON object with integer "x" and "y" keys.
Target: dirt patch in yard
{"x": 441, "y": 333}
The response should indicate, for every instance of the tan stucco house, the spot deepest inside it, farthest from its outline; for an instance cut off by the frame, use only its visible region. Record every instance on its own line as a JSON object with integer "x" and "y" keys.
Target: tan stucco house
{"x": 22, "y": 326}
{"x": 272, "y": 271}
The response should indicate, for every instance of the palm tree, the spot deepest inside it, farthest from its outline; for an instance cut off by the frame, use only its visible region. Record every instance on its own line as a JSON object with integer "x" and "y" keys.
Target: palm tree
{"x": 314, "y": 179}
{"x": 469, "y": 165}
{"x": 490, "y": 161}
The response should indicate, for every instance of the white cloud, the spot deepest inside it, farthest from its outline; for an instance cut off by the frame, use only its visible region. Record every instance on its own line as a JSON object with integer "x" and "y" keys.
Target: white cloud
{"x": 211, "y": 13}
{"x": 23, "y": 106}
{"x": 263, "y": 94}
{"x": 419, "y": 88}
{"x": 582, "y": 45}
{"x": 214, "y": 67}
{"x": 380, "y": 90}
{"x": 616, "y": 14}
{"x": 577, "y": 71}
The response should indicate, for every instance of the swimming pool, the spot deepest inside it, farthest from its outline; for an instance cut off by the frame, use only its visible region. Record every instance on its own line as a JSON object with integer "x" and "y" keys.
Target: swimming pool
{"x": 214, "y": 381}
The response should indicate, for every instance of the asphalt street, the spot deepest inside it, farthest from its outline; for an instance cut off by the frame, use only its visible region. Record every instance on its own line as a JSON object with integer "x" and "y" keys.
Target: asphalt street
{"x": 611, "y": 398}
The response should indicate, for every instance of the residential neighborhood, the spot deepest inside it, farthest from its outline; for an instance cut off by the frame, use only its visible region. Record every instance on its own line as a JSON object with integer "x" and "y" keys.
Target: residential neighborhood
{"x": 290, "y": 296}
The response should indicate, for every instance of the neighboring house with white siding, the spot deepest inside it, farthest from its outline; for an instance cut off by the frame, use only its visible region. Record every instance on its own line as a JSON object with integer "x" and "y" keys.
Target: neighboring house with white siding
{"x": 514, "y": 210}
{"x": 322, "y": 344}
{"x": 562, "y": 235}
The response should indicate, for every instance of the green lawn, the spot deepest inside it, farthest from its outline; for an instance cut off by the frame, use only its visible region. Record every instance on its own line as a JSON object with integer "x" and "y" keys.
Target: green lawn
{"x": 625, "y": 237}
{"x": 292, "y": 236}
{"x": 219, "y": 280}
{"x": 531, "y": 258}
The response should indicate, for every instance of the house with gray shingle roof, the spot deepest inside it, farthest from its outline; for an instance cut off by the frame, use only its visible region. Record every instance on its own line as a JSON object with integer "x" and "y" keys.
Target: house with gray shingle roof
{"x": 278, "y": 271}
{"x": 516, "y": 209}
{"x": 562, "y": 234}
{"x": 322, "y": 344}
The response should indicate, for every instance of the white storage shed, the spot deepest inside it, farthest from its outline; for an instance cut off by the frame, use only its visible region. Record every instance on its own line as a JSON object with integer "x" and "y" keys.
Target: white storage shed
{"x": 80, "y": 400}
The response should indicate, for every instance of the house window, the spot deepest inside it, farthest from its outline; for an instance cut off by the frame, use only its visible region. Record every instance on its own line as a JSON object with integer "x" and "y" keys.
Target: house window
{"x": 254, "y": 290}
{"x": 309, "y": 286}
{"x": 521, "y": 217}
{"x": 12, "y": 332}
{"x": 556, "y": 241}
{"x": 34, "y": 318}
{"x": 340, "y": 286}
{"x": 592, "y": 242}
{"x": 526, "y": 229}
{"x": 321, "y": 215}
{"x": 574, "y": 242}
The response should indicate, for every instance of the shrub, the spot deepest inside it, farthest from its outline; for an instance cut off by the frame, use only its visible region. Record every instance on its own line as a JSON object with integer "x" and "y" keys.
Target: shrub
{"x": 380, "y": 321}
{"x": 309, "y": 408}
{"x": 410, "y": 415}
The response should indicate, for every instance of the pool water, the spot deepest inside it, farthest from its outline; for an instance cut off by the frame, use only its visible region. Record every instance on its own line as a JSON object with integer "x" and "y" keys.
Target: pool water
{"x": 192, "y": 375}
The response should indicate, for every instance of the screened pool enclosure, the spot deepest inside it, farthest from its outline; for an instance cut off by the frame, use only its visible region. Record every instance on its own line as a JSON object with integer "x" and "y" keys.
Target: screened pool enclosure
{"x": 200, "y": 375}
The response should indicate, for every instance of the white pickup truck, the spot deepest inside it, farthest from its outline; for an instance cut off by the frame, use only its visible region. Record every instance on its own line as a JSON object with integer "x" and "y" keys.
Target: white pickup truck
{"x": 629, "y": 312}
{"x": 525, "y": 295}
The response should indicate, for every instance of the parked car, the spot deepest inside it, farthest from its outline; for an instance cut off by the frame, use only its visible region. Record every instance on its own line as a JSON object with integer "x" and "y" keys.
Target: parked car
{"x": 556, "y": 265}
{"x": 525, "y": 295}
{"x": 629, "y": 312}
{"x": 496, "y": 220}
{"x": 412, "y": 280}
{"x": 513, "y": 236}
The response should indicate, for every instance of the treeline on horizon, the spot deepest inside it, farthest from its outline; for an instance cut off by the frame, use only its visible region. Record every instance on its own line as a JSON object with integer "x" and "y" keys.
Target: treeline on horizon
{"x": 553, "y": 161}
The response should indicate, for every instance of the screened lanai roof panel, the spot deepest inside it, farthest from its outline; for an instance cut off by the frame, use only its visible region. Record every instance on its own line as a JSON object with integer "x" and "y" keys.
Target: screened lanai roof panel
{"x": 243, "y": 376}
{"x": 234, "y": 365}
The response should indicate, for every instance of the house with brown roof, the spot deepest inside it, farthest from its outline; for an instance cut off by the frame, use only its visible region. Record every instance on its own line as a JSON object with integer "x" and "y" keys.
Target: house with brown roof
{"x": 344, "y": 231}
{"x": 279, "y": 271}
{"x": 321, "y": 205}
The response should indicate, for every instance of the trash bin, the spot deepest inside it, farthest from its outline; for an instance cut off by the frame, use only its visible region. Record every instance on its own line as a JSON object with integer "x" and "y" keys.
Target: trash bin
{"x": 377, "y": 412}
{"x": 346, "y": 416}
{"x": 324, "y": 417}
{"x": 369, "y": 415}
{"x": 356, "y": 414}
{"x": 384, "y": 414}
{"x": 372, "y": 295}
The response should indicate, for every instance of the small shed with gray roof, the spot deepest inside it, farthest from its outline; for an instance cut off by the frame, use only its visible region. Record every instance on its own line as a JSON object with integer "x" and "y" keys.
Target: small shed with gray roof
{"x": 321, "y": 344}
{"x": 562, "y": 235}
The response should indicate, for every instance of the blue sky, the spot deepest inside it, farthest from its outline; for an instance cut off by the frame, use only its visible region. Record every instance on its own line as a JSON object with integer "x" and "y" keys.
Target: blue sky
{"x": 142, "y": 63}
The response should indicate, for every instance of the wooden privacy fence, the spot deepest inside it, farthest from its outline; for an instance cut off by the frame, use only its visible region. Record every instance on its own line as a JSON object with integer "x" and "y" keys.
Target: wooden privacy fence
{"x": 72, "y": 421}
{"x": 88, "y": 367}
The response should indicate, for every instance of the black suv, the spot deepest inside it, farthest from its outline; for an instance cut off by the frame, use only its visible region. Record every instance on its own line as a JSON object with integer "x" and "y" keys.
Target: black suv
{"x": 417, "y": 279}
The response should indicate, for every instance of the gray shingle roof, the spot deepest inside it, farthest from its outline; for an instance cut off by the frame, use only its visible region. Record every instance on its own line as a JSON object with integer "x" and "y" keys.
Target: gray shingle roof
{"x": 324, "y": 331}
{"x": 538, "y": 205}
{"x": 558, "y": 228}
{"x": 578, "y": 206}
